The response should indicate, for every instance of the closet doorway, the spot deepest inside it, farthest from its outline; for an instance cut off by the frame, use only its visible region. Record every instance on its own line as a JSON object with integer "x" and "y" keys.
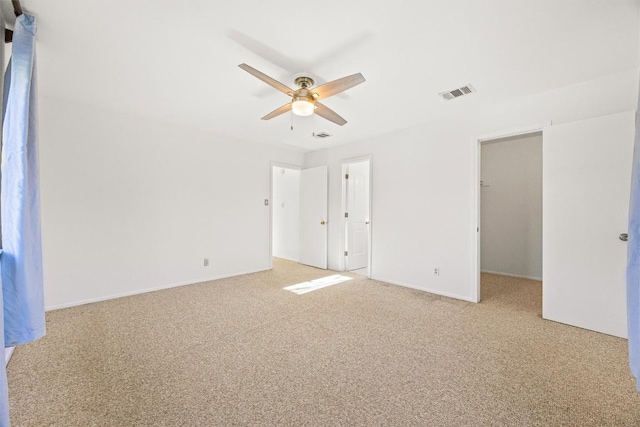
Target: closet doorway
{"x": 285, "y": 211}
{"x": 510, "y": 231}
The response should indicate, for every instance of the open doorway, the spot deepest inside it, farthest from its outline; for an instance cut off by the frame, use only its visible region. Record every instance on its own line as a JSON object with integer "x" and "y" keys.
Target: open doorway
{"x": 510, "y": 231}
{"x": 298, "y": 212}
{"x": 285, "y": 208}
{"x": 356, "y": 199}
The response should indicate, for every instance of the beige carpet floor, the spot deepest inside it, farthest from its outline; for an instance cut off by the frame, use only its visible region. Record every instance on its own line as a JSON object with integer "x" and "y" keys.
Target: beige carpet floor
{"x": 242, "y": 351}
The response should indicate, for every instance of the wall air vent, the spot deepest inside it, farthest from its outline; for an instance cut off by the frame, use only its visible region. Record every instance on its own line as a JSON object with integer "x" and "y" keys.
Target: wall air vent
{"x": 321, "y": 135}
{"x": 456, "y": 93}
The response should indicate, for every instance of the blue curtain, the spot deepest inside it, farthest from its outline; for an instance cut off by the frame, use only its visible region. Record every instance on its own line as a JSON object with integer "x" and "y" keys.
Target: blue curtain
{"x": 4, "y": 394}
{"x": 633, "y": 260}
{"x": 21, "y": 260}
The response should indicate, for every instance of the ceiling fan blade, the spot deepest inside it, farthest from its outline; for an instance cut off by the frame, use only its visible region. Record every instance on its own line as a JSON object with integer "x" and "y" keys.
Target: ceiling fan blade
{"x": 327, "y": 113}
{"x": 268, "y": 80}
{"x": 335, "y": 87}
{"x": 280, "y": 110}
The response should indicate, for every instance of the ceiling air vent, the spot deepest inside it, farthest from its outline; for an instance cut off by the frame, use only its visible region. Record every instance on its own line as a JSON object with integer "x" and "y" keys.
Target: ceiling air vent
{"x": 321, "y": 135}
{"x": 456, "y": 93}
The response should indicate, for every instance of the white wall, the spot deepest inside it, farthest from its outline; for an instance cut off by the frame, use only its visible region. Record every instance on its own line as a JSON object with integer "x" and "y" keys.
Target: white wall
{"x": 511, "y": 201}
{"x": 8, "y": 352}
{"x": 130, "y": 204}
{"x": 425, "y": 182}
{"x": 286, "y": 213}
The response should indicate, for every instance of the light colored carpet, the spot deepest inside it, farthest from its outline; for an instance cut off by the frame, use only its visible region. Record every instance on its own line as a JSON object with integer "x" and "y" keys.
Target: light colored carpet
{"x": 361, "y": 271}
{"x": 242, "y": 351}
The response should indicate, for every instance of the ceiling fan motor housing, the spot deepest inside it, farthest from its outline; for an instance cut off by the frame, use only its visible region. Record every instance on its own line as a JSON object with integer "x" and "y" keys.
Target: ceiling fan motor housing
{"x": 304, "y": 82}
{"x": 304, "y": 96}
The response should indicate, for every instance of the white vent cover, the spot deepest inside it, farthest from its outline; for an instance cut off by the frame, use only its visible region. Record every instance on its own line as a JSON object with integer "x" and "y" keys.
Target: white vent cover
{"x": 321, "y": 135}
{"x": 456, "y": 93}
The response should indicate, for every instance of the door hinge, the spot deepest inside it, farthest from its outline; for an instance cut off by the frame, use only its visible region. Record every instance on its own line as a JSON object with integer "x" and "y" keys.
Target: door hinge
{"x": 346, "y": 176}
{"x": 346, "y": 214}
{"x": 346, "y": 253}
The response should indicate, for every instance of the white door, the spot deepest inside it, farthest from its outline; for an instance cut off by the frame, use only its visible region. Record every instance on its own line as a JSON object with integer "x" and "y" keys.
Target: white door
{"x": 358, "y": 215}
{"x": 586, "y": 185}
{"x": 313, "y": 217}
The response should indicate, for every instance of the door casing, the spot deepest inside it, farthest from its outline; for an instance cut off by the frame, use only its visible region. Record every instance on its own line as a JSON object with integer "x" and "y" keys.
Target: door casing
{"x": 477, "y": 195}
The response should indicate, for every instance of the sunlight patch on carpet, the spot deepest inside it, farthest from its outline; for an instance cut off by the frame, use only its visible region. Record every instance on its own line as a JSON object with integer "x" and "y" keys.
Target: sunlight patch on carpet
{"x": 312, "y": 285}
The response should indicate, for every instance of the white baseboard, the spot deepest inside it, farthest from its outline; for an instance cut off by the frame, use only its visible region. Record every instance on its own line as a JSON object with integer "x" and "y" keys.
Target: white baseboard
{"x": 7, "y": 355}
{"x": 288, "y": 259}
{"x": 144, "y": 291}
{"x": 512, "y": 275}
{"x": 421, "y": 288}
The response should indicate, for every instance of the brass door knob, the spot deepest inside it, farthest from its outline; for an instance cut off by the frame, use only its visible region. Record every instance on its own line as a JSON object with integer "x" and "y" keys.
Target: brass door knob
{"x": 322, "y": 223}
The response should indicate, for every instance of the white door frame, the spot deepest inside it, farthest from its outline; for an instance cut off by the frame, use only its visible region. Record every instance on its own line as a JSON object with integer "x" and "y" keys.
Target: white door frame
{"x": 342, "y": 266}
{"x": 274, "y": 164}
{"x": 477, "y": 195}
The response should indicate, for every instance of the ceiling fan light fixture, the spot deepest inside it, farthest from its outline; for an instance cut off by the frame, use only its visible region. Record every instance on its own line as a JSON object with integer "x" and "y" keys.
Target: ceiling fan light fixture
{"x": 304, "y": 99}
{"x": 302, "y": 106}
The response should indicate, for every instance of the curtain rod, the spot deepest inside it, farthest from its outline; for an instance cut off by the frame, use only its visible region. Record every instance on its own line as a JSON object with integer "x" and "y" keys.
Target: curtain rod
{"x": 17, "y": 9}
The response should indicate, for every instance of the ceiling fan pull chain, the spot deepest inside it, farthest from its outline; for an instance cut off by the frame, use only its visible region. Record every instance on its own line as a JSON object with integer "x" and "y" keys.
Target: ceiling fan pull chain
{"x": 291, "y": 119}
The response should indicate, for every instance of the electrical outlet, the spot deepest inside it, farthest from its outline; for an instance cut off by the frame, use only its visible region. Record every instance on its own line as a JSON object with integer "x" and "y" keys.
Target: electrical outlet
{"x": 206, "y": 262}
{"x": 436, "y": 271}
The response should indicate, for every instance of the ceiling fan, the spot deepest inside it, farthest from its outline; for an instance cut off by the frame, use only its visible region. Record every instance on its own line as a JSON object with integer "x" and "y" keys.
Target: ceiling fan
{"x": 304, "y": 100}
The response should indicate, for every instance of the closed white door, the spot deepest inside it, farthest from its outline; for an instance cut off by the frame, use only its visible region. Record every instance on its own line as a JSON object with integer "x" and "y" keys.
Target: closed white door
{"x": 313, "y": 217}
{"x": 586, "y": 185}
{"x": 358, "y": 216}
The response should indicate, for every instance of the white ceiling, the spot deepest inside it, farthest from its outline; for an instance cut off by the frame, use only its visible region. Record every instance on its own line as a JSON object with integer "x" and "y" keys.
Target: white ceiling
{"x": 177, "y": 60}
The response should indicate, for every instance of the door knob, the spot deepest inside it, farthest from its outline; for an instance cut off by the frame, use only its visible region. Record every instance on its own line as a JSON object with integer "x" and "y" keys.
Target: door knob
{"x": 367, "y": 223}
{"x": 624, "y": 237}
{"x": 322, "y": 223}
